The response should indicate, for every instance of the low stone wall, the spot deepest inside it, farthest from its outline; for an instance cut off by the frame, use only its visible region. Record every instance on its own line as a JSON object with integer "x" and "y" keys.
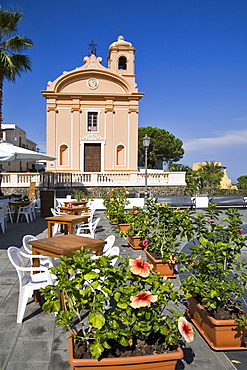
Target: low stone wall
{"x": 98, "y": 191}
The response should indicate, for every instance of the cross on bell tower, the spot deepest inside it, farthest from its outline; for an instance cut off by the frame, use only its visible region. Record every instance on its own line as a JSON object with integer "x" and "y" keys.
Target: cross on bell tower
{"x": 92, "y": 48}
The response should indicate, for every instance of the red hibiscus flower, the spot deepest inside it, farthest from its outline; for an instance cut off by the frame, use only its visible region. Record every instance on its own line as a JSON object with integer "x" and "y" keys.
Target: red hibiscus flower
{"x": 145, "y": 243}
{"x": 140, "y": 267}
{"x": 144, "y": 299}
{"x": 185, "y": 329}
{"x": 240, "y": 231}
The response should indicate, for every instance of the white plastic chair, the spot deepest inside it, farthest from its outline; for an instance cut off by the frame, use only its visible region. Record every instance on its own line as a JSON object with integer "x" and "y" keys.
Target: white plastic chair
{"x": 56, "y": 226}
{"x": 28, "y": 282}
{"x": 91, "y": 227}
{"x": 7, "y": 212}
{"x": 25, "y": 211}
{"x": 32, "y": 208}
{"x": 2, "y": 220}
{"x": 114, "y": 251}
{"x": 47, "y": 261}
{"x": 110, "y": 240}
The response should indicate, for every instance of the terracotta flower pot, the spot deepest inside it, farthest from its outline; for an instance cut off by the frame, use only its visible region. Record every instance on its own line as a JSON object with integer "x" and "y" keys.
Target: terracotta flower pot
{"x": 123, "y": 227}
{"x": 166, "y": 361}
{"x": 135, "y": 242}
{"x": 221, "y": 335}
{"x": 165, "y": 269}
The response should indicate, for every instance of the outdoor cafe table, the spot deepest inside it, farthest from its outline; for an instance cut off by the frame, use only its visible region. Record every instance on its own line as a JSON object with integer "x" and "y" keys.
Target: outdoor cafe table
{"x": 63, "y": 245}
{"x": 75, "y": 203}
{"x": 17, "y": 204}
{"x": 68, "y": 220}
{"x": 74, "y": 210}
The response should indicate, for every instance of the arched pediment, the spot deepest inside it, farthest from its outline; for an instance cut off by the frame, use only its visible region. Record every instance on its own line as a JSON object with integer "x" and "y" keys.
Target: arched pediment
{"x": 76, "y": 81}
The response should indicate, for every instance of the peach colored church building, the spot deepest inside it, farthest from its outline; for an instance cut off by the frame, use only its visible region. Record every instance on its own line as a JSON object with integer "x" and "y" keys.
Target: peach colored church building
{"x": 92, "y": 114}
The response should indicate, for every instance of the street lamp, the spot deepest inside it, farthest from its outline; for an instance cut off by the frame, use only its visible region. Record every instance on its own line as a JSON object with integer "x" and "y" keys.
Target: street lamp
{"x": 146, "y": 142}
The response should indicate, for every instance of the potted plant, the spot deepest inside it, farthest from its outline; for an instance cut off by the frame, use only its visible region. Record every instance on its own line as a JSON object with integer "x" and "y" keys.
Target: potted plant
{"x": 119, "y": 316}
{"x": 166, "y": 227}
{"x": 80, "y": 195}
{"x": 217, "y": 280}
{"x": 138, "y": 226}
{"x": 115, "y": 203}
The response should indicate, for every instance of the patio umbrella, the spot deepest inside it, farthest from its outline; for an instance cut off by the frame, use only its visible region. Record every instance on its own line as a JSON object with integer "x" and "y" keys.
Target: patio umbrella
{"x": 10, "y": 152}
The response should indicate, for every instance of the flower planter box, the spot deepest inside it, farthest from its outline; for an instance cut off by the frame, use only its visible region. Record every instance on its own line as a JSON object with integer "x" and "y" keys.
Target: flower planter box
{"x": 166, "y": 361}
{"x": 165, "y": 269}
{"x": 123, "y": 227}
{"x": 135, "y": 242}
{"x": 221, "y": 335}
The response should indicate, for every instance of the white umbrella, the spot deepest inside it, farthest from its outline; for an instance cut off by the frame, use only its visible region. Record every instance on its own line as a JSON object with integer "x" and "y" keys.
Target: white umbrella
{"x": 10, "y": 152}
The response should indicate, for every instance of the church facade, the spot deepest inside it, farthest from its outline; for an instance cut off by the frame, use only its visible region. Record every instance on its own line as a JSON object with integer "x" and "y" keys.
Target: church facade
{"x": 92, "y": 114}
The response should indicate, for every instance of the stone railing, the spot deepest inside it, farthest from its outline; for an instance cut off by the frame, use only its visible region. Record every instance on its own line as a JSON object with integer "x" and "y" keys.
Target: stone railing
{"x": 51, "y": 180}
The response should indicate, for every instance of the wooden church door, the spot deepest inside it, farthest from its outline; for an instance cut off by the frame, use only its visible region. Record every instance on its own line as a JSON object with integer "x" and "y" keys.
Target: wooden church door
{"x": 92, "y": 157}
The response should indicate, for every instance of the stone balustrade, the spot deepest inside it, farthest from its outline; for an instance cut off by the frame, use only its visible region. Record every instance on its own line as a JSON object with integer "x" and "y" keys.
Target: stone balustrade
{"x": 51, "y": 180}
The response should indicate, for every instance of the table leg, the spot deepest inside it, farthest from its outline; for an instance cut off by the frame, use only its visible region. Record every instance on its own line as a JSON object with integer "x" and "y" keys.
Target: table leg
{"x": 49, "y": 231}
{"x": 36, "y": 293}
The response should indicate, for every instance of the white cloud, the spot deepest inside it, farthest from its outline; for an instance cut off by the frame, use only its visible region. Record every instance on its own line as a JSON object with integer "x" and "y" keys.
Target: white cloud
{"x": 230, "y": 138}
{"x": 244, "y": 118}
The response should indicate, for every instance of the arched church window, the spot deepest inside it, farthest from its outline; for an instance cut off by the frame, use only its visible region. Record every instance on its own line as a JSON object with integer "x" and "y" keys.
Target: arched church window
{"x": 120, "y": 155}
{"x": 122, "y": 63}
{"x": 63, "y": 155}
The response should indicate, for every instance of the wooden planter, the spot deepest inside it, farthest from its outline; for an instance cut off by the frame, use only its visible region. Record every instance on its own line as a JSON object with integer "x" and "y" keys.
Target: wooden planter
{"x": 221, "y": 335}
{"x": 165, "y": 269}
{"x": 123, "y": 227}
{"x": 135, "y": 242}
{"x": 165, "y": 361}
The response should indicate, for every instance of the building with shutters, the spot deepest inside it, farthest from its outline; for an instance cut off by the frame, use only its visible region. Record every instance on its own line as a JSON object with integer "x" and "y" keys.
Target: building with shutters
{"x": 92, "y": 114}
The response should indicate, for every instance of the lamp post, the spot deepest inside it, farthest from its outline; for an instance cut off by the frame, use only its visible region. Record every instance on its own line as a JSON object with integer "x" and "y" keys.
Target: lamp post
{"x": 146, "y": 142}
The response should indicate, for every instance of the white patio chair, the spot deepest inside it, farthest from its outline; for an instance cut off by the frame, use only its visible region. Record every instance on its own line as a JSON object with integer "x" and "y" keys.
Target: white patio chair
{"x": 32, "y": 208}
{"x": 47, "y": 261}
{"x": 56, "y": 226}
{"x": 28, "y": 282}
{"x": 7, "y": 212}
{"x": 2, "y": 220}
{"x": 25, "y": 211}
{"x": 90, "y": 227}
{"x": 110, "y": 240}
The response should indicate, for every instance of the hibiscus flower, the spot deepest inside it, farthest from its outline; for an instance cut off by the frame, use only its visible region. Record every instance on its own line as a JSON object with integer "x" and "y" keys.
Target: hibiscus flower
{"x": 185, "y": 329}
{"x": 240, "y": 231}
{"x": 140, "y": 267}
{"x": 213, "y": 220}
{"x": 134, "y": 212}
{"x": 144, "y": 299}
{"x": 173, "y": 260}
{"x": 145, "y": 243}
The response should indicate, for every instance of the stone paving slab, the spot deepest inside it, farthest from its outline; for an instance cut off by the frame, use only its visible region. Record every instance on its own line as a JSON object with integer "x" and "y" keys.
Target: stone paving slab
{"x": 38, "y": 344}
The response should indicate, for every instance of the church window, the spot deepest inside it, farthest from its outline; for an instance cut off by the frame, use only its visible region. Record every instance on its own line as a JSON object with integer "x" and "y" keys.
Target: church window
{"x": 122, "y": 63}
{"x": 92, "y": 122}
{"x": 64, "y": 157}
{"x": 120, "y": 155}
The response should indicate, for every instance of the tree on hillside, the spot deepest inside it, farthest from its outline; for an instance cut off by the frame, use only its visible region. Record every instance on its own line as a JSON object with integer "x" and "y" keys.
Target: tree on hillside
{"x": 194, "y": 180}
{"x": 242, "y": 182}
{"x": 12, "y": 62}
{"x": 163, "y": 145}
{"x": 211, "y": 173}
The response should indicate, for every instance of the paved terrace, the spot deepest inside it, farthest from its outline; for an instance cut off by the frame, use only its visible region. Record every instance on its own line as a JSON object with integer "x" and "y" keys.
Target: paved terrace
{"x": 38, "y": 344}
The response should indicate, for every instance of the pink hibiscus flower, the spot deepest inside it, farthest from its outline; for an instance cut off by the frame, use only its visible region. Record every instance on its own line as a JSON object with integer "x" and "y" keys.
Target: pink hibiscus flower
{"x": 134, "y": 212}
{"x": 240, "y": 231}
{"x": 185, "y": 329}
{"x": 145, "y": 243}
{"x": 140, "y": 267}
{"x": 213, "y": 220}
{"x": 144, "y": 299}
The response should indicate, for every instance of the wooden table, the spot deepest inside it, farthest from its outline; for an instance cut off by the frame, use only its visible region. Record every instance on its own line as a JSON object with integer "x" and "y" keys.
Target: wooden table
{"x": 17, "y": 204}
{"x": 74, "y": 203}
{"x": 68, "y": 220}
{"x": 74, "y": 210}
{"x": 63, "y": 245}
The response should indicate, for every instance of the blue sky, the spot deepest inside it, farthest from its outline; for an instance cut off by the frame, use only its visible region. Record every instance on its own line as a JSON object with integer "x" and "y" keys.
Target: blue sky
{"x": 191, "y": 63}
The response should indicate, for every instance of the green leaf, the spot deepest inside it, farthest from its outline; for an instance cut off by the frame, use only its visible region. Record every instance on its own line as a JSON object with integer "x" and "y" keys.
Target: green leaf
{"x": 91, "y": 275}
{"x": 122, "y": 305}
{"x": 96, "y": 319}
{"x": 124, "y": 342}
{"x": 96, "y": 349}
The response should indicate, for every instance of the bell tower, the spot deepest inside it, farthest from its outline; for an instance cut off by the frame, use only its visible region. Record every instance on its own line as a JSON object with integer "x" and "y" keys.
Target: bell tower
{"x": 121, "y": 58}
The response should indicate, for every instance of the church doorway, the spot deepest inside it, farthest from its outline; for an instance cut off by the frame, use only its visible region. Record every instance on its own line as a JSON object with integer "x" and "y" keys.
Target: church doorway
{"x": 92, "y": 157}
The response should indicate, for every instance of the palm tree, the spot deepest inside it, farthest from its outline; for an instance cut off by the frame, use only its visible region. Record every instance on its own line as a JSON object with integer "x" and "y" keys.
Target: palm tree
{"x": 12, "y": 62}
{"x": 211, "y": 172}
